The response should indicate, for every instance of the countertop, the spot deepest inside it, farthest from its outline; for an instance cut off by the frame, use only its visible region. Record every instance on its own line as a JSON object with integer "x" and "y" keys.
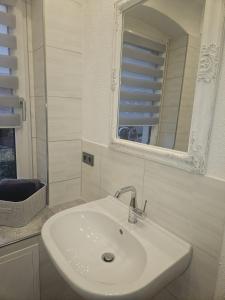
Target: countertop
{"x": 9, "y": 235}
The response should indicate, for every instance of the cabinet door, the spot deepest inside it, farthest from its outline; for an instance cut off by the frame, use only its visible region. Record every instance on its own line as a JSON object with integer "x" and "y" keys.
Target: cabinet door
{"x": 19, "y": 275}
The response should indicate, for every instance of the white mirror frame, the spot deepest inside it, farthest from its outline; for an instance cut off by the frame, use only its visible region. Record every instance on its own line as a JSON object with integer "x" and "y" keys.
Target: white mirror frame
{"x": 195, "y": 159}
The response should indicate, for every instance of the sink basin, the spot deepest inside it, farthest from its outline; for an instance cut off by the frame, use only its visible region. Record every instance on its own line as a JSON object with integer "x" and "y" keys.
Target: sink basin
{"x": 103, "y": 256}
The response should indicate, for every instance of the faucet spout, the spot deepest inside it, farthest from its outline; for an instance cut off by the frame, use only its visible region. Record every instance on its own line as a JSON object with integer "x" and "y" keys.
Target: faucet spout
{"x": 133, "y": 203}
{"x": 127, "y": 189}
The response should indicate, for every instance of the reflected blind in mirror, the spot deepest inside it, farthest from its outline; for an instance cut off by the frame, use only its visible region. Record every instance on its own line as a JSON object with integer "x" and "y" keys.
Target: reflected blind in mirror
{"x": 141, "y": 81}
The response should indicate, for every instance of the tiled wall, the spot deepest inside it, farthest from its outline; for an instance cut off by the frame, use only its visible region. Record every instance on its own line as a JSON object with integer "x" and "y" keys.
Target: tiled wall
{"x": 191, "y": 206}
{"x": 57, "y": 92}
{"x": 63, "y": 33}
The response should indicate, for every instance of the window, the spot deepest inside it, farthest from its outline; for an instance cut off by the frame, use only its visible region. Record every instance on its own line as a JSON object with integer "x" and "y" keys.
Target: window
{"x": 141, "y": 88}
{"x": 7, "y": 154}
{"x": 10, "y": 118}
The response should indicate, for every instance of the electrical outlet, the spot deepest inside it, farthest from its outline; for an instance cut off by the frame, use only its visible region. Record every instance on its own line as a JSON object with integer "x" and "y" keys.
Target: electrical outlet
{"x": 88, "y": 158}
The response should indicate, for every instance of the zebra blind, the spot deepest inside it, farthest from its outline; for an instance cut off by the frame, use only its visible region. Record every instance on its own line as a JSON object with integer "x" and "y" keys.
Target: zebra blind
{"x": 10, "y": 104}
{"x": 141, "y": 81}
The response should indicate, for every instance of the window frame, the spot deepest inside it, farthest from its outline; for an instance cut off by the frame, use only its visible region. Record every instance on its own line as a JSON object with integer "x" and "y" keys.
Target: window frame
{"x": 24, "y": 152}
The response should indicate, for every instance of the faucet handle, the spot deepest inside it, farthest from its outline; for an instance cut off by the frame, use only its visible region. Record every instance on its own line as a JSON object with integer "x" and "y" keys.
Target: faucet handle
{"x": 141, "y": 212}
{"x": 145, "y": 204}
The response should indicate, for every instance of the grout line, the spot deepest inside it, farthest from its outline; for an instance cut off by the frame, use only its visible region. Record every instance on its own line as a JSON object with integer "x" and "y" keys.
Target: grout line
{"x": 70, "y": 179}
{"x": 67, "y": 98}
{"x": 59, "y": 141}
{"x": 63, "y": 49}
{"x": 36, "y": 49}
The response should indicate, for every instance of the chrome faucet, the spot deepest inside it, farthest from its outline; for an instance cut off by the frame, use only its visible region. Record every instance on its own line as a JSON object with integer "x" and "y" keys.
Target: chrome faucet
{"x": 134, "y": 211}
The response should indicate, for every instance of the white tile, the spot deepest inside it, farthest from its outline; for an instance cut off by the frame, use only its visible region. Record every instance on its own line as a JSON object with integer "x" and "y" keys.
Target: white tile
{"x": 198, "y": 282}
{"x": 64, "y": 191}
{"x": 64, "y": 160}
{"x": 91, "y": 175}
{"x": 34, "y": 157}
{"x": 64, "y": 24}
{"x": 64, "y": 73}
{"x": 63, "y": 206}
{"x": 164, "y": 295}
{"x": 29, "y": 27}
{"x": 119, "y": 170}
{"x": 42, "y": 160}
{"x": 33, "y": 117}
{"x": 31, "y": 73}
{"x": 208, "y": 218}
{"x": 37, "y": 23}
{"x": 64, "y": 118}
{"x": 39, "y": 73}
{"x": 40, "y": 118}
{"x": 191, "y": 206}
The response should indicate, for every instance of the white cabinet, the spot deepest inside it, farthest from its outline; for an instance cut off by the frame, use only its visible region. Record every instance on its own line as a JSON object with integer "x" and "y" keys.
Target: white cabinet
{"x": 19, "y": 274}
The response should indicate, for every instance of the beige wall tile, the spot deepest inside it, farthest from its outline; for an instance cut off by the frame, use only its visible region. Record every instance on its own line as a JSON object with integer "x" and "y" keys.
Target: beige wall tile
{"x": 176, "y": 201}
{"x": 42, "y": 165}
{"x": 37, "y": 24}
{"x": 64, "y": 73}
{"x": 40, "y": 117}
{"x": 33, "y": 118}
{"x": 64, "y": 24}
{"x": 34, "y": 157}
{"x": 64, "y": 119}
{"x": 119, "y": 170}
{"x": 39, "y": 72}
{"x": 64, "y": 191}
{"x": 164, "y": 295}
{"x": 198, "y": 282}
{"x": 64, "y": 160}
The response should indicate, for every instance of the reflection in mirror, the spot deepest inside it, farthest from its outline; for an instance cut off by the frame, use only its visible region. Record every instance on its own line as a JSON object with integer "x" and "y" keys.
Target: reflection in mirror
{"x": 160, "y": 53}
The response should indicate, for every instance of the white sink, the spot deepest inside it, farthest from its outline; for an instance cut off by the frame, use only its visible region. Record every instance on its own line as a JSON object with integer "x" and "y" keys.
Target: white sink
{"x": 145, "y": 257}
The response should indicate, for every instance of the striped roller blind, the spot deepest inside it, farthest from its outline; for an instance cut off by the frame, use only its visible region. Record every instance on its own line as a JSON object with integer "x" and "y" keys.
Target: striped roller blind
{"x": 141, "y": 81}
{"x": 10, "y": 104}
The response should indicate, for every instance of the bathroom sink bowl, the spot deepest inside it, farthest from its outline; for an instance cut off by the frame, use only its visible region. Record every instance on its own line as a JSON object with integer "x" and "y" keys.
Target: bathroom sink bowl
{"x": 103, "y": 256}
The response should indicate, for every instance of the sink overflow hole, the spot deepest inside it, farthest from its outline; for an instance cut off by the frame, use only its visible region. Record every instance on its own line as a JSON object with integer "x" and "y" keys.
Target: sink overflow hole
{"x": 108, "y": 257}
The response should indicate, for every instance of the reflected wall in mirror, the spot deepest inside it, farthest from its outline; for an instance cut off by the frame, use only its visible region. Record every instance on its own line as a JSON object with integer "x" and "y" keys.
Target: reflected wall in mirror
{"x": 160, "y": 54}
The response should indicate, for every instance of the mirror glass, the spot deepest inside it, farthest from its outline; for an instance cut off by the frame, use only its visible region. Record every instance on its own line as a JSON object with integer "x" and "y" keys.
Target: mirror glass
{"x": 159, "y": 62}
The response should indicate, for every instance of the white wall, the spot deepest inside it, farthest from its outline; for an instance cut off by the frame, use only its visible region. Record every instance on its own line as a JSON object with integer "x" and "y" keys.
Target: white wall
{"x": 191, "y": 206}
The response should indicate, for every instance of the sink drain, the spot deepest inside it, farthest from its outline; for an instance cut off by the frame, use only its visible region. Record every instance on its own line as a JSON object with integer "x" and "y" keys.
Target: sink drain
{"x": 108, "y": 257}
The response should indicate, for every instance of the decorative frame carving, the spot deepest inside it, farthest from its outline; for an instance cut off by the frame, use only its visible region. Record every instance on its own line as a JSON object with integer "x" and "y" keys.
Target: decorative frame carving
{"x": 208, "y": 63}
{"x": 195, "y": 160}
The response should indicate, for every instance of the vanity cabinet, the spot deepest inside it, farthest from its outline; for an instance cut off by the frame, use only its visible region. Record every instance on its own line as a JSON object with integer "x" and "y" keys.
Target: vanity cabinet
{"x": 19, "y": 274}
